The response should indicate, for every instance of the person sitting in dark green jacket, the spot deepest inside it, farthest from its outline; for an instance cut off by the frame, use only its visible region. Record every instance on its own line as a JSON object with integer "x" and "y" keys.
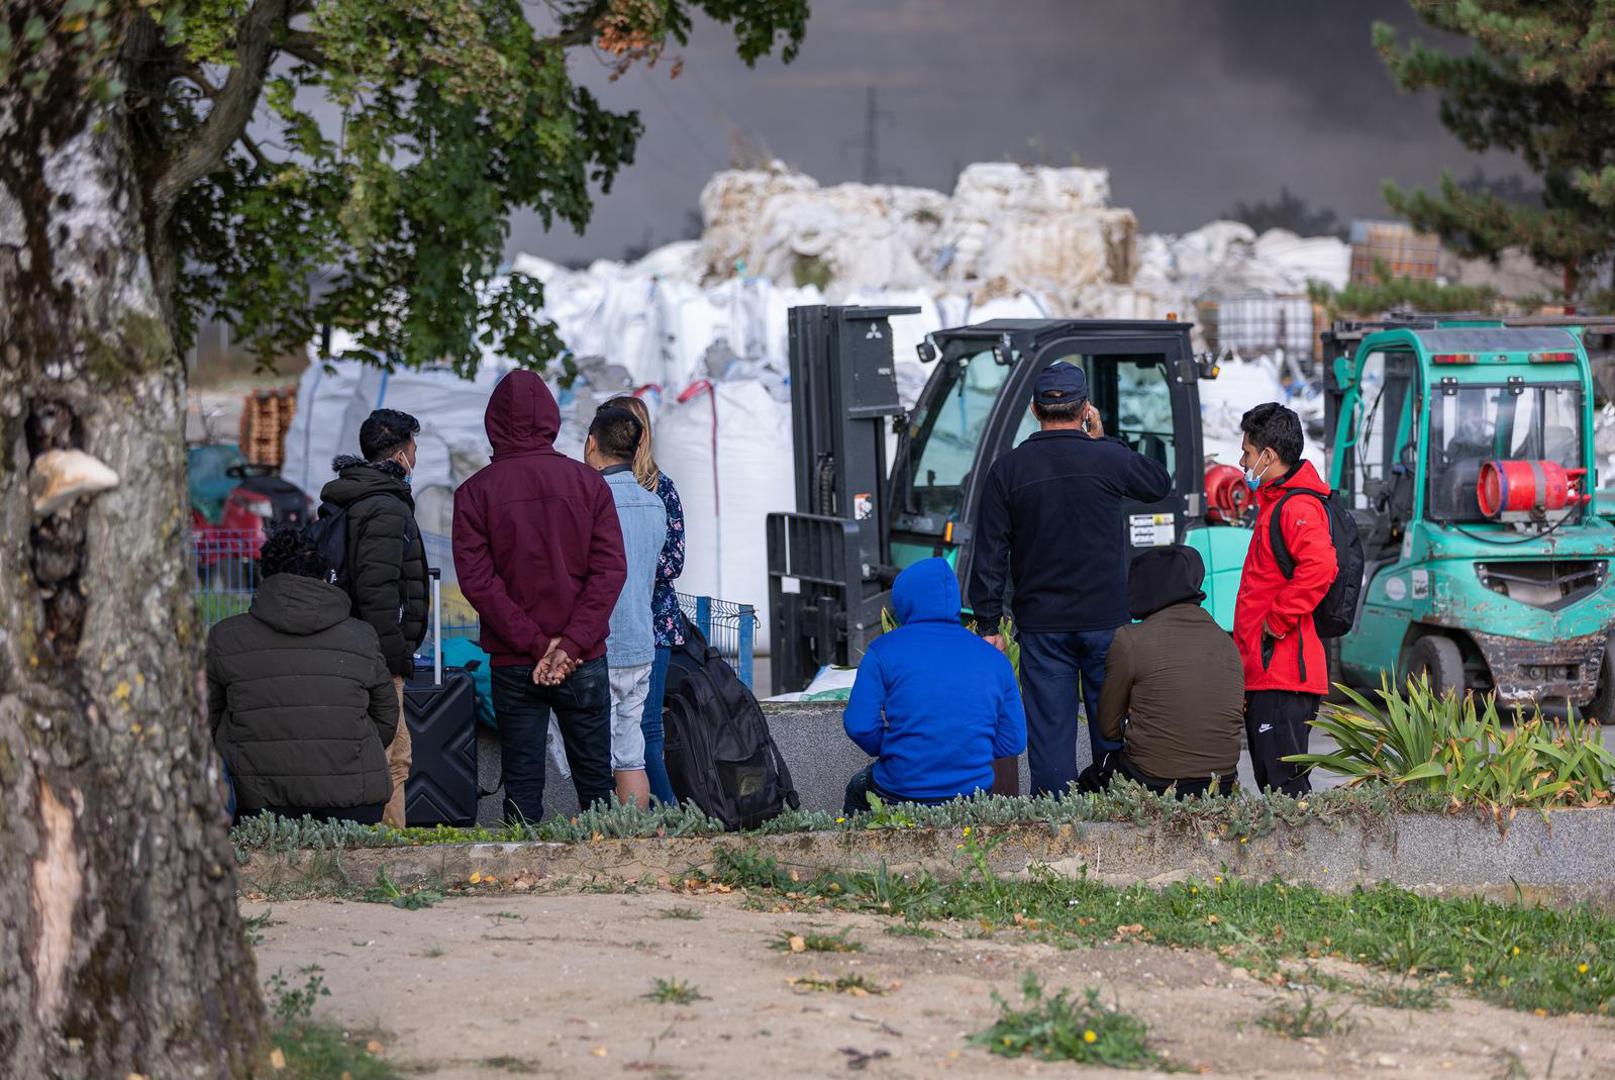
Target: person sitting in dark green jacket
{"x": 1177, "y": 679}
{"x": 300, "y": 703}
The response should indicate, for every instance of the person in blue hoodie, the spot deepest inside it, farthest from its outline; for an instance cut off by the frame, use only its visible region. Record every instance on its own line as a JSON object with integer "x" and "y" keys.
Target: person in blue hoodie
{"x": 933, "y": 704}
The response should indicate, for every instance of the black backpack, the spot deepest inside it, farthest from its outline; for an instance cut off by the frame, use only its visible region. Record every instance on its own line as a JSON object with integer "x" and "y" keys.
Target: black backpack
{"x": 329, "y": 532}
{"x": 1336, "y": 613}
{"x": 718, "y": 749}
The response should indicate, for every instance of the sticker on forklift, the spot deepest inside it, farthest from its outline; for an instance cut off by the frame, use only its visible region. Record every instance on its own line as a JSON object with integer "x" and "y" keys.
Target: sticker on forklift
{"x": 863, "y": 507}
{"x": 1152, "y": 530}
{"x": 1421, "y": 584}
{"x": 1396, "y": 588}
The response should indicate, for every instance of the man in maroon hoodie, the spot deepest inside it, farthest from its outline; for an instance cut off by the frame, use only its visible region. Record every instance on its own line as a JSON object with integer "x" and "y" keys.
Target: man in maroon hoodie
{"x": 1286, "y": 668}
{"x": 539, "y": 554}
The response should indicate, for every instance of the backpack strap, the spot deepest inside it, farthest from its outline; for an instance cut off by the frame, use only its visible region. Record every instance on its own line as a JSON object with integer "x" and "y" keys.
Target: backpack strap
{"x": 1275, "y": 529}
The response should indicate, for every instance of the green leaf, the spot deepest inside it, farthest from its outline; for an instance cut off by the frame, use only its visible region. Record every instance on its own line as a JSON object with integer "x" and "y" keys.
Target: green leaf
{"x": 33, "y": 31}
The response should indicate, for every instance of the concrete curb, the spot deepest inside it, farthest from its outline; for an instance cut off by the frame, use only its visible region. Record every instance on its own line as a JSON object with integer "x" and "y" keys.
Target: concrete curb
{"x": 1567, "y": 858}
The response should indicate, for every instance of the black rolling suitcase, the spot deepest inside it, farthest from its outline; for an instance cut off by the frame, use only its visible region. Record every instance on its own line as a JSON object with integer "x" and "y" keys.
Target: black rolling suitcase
{"x": 441, "y": 708}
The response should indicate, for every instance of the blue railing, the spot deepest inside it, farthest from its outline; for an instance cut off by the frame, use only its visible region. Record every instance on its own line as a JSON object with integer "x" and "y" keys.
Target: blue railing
{"x": 226, "y": 568}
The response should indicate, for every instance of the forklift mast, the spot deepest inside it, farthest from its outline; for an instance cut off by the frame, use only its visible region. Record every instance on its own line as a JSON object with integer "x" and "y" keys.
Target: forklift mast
{"x": 830, "y": 562}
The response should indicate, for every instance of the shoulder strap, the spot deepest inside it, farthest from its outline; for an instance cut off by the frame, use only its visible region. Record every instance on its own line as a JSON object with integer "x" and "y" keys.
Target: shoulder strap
{"x": 1275, "y": 529}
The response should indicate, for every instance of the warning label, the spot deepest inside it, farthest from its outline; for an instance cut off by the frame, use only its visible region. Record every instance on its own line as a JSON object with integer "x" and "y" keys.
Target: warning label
{"x": 1152, "y": 530}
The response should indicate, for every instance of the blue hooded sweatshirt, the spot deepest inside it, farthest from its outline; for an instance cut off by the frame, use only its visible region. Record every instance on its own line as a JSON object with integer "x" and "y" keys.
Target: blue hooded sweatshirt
{"x": 932, "y": 701}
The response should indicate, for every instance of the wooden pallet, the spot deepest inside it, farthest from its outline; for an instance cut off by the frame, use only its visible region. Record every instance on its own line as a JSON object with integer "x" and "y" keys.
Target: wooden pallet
{"x": 266, "y": 415}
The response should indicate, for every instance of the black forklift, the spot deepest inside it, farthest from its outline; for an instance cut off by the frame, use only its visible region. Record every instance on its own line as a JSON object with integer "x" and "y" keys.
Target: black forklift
{"x": 858, "y": 523}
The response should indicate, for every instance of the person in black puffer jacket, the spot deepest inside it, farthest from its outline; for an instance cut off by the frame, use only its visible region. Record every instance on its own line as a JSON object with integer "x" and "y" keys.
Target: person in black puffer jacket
{"x": 386, "y": 560}
{"x": 299, "y": 702}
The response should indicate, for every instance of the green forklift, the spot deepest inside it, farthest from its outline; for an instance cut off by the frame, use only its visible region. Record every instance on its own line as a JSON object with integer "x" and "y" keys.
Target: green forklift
{"x": 1465, "y": 447}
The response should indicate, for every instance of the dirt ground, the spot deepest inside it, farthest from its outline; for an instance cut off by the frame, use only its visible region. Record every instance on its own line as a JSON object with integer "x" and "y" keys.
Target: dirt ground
{"x": 552, "y": 985}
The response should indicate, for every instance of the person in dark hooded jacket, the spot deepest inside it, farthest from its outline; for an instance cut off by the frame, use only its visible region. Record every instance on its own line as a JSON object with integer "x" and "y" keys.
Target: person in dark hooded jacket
{"x": 1176, "y": 678}
{"x": 933, "y": 703}
{"x": 299, "y": 702}
{"x": 539, "y": 553}
{"x": 386, "y": 560}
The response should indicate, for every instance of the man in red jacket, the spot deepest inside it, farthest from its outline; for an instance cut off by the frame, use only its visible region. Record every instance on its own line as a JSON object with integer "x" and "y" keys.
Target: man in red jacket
{"x": 1286, "y": 670}
{"x": 539, "y": 554}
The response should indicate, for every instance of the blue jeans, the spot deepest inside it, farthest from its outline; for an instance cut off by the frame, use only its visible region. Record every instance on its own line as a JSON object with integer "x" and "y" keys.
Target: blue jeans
{"x": 582, "y": 706}
{"x": 655, "y": 765}
{"x": 1058, "y": 670}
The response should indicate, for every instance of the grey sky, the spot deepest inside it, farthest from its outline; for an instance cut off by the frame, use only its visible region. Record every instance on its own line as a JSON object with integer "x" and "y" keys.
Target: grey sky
{"x": 1193, "y": 105}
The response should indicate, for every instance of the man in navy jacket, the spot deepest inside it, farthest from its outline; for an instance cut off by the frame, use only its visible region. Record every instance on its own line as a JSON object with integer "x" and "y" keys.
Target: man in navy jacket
{"x": 933, "y": 703}
{"x": 1051, "y": 522}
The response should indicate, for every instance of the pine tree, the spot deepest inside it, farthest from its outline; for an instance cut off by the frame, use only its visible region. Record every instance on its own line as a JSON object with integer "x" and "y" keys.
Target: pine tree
{"x": 1540, "y": 83}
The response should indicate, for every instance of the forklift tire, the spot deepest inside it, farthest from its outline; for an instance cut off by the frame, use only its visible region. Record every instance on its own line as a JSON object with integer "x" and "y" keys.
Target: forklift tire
{"x": 1603, "y": 707}
{"x": 1438, "y": 658}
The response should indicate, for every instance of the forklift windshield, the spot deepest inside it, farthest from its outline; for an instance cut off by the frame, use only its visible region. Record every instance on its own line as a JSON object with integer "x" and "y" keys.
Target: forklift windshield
{"x": 1132, "y": 394}
{"x": 1473, "y": 424}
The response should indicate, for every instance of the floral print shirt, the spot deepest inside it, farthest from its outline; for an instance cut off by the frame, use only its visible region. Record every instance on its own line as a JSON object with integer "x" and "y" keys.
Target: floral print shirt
{"x": 664, "y": 605}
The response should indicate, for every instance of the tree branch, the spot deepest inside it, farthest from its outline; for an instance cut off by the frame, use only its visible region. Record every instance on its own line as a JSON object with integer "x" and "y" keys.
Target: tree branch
{"x": 231, "y": 110}
{"x": 583, "y": 29}
{"x": 258, "y": 155}
{"x": 305, "y": 46}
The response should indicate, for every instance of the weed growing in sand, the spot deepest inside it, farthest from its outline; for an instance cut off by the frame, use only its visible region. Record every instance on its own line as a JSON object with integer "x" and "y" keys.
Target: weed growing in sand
{"x": 303, "y": 1049}
{"x": 687, "y": 913}
{"x": 906, "y": 929}
{"x": 674, "y": 992}
{"x": 1310, "y": 1019}
{"x": 856, "y": 985}
{"x": 1401, "y": 994}
{"x": 1060, "y": 1029}
{"x": 254, "y": 926}
{"x": 385, "y": 891}
{"x": 810, "y": 941}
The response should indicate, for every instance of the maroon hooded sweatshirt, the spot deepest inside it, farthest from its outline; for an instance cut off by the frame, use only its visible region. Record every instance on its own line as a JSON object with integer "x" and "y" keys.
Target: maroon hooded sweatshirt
{"x": 537, "y": 546}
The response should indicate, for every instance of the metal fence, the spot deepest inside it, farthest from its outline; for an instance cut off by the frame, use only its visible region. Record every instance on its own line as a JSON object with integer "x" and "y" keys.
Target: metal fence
{"x": 225, "y": 563}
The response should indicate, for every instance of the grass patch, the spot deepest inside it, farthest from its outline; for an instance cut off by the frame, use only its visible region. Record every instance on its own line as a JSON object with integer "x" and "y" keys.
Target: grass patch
{"x": 302, "y": 1048}
{"x": 1060, "y": 1029}
{"x": 810, "y": 941}
{"x": 385, "y": 891}
{"x": 857, "y": 985}
{"x": 674, "y": 992}
{"x": 255, "y": 925}
{"x": 1523, "y": 957}
{"x": 1310, "y": 1018}
{"x": 688, "y": 914}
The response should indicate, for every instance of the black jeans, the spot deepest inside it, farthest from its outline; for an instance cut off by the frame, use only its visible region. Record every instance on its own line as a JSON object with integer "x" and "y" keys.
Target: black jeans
{"x": 582, "y": 706}
{"x": 1277, "y": 725}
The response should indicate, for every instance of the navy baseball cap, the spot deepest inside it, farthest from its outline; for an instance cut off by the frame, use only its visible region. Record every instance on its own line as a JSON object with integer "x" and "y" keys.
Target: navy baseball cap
{"x": 1060, "y": 384}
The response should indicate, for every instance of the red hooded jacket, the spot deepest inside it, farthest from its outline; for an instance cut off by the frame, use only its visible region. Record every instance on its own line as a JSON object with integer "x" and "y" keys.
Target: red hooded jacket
{"x": 537, "y": 546}
{"x": 1297, "y": 662}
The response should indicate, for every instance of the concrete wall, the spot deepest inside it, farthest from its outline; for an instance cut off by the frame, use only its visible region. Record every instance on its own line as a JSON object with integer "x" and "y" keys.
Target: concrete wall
{"x": 820, "y": 756}
{"x": 1565, "y": 859}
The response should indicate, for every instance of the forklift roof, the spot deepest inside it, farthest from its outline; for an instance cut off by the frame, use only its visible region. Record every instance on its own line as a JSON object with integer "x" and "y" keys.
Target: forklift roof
{"x": 1044, "y": 328}
{"x": 1496, "y": 340}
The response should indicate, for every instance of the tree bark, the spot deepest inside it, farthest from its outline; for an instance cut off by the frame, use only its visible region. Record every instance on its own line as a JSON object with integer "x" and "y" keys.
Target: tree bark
{"x": 121, "y": 950}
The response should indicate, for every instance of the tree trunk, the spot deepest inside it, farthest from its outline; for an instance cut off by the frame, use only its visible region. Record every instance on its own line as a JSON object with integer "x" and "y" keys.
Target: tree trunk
{"x": 121, "y": 950}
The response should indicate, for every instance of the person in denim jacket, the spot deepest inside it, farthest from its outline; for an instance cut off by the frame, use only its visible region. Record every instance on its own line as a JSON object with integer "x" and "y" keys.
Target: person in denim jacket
{"x": 666, "y": 621}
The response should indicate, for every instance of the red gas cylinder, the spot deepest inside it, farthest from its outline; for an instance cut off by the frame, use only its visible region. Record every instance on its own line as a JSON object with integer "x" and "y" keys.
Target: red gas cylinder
{"x": 1227, "y": 494}
{"x": 1521, "y": 487}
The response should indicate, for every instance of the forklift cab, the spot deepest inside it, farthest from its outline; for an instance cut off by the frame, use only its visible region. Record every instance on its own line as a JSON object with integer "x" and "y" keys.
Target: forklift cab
{"x": 977, "y": 406}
